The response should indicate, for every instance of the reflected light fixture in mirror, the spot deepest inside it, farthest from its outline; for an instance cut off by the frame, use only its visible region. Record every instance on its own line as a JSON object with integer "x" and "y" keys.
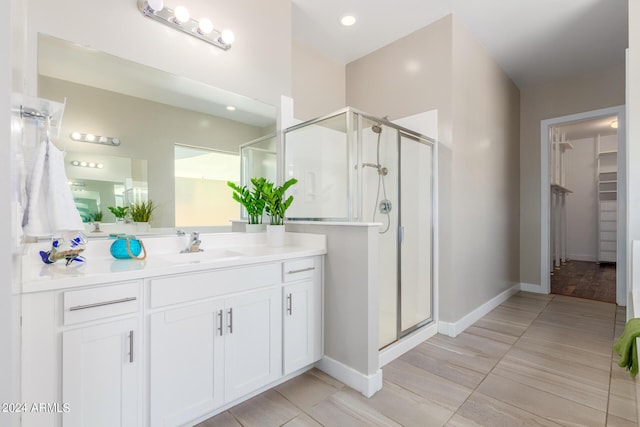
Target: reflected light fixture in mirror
{"x": 95, "y": 139}
{"x": 180, "y": 19}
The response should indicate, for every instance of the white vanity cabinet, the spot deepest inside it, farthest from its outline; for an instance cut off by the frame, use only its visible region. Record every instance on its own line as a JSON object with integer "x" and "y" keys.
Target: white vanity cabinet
{"x": 168, "y": 349}
{"x": 82, "y": 357}
{"x": 302, "y": 322}
{"x": 100, "y": 370}
{"x": 206, "y": 354}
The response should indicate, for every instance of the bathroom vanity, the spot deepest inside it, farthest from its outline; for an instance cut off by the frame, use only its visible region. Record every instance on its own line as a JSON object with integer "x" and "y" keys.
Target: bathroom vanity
{"x": 170, "y": 340}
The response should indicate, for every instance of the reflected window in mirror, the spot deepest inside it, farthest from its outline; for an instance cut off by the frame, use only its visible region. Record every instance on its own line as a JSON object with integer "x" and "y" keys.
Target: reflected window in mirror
{"x": 202, "y": 194}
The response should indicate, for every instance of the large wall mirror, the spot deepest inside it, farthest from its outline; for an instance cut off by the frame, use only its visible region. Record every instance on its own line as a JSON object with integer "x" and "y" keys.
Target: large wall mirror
{"x": 165, "y": 124}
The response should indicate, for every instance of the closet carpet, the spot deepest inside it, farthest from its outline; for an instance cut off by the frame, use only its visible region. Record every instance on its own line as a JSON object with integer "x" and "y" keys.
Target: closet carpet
{"x": 535, "y": 360}
{"x": 588, "y": 280}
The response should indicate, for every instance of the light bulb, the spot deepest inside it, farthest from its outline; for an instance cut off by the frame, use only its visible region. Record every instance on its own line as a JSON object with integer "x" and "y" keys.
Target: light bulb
{"x": 614, "y": 124}
{"x": 90, "y": 137}
{"x": 182, "y": 14}
{"x": 92, "y": 165}
{"x": 227, "y": 36}
{"x": 76, "y": 136}
{"x": 205, "y": 26}
{"x": 75, "y": 163}
{"x": 348, "y": 20}
{"x": 156, "y": 5}
{"x": 83, "y": 164}
{"x": 99, "y": 165}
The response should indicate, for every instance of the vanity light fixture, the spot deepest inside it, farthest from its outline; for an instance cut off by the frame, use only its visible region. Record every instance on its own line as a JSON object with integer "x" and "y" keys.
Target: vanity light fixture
{"x": 180, "y": 19}
{"x": 95, "y": 139}
{"x": 85, "y": 164}
{"x": 614, "y": 124}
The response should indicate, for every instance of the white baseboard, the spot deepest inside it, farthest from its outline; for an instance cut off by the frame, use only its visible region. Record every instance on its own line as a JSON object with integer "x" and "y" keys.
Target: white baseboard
{"x": 368, "y": 385}
{"x": 588, "y": 258}
{"x": 452, "y": 329}
{"x": 530, "y": 287}
{"x": 407, "y": 343}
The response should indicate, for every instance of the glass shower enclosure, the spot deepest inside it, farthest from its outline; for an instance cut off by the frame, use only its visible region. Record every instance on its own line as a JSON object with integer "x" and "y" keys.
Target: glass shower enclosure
{"x": 354, "y": 167}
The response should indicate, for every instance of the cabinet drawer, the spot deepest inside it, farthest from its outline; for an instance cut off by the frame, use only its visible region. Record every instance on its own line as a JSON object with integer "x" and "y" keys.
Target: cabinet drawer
{"x": 608, "y": 246}
{"x": 298, "y": 269}
{"x": 191, "y": 287}
{"x": 99, "y": 303}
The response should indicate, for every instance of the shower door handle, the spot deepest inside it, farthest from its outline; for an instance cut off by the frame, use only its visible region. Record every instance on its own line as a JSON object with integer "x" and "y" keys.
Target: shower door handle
{"x": 400, "y": 234}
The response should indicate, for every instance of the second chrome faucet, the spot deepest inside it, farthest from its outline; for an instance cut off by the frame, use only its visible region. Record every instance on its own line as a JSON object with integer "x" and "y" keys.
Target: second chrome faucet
{"x": 194, "y": 243}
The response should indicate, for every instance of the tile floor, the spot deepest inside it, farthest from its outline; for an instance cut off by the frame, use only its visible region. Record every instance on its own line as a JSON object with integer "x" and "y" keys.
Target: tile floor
{"x": 536, "y": 360}
{"x": 585, "y": 280}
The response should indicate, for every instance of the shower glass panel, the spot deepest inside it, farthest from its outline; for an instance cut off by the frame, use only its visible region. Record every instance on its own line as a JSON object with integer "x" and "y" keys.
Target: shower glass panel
{"x": 415, "y": 232}
{"x": 258, "y": 158}
{"x": 318, "y": 156}
{"x": 354, "y": 167}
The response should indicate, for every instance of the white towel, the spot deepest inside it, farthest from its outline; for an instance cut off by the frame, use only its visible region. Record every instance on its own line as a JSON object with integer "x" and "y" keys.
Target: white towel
{"x": 50, "y": 206}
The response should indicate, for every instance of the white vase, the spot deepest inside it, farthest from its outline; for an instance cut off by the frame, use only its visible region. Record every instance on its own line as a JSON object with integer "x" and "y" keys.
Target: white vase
{"x": 254, "y": 228}
{"x": 142, "y": 226}
{"x": 275, "y": 235}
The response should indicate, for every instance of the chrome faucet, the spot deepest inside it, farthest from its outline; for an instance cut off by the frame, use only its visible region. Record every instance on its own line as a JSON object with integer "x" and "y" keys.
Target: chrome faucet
{"x": 194, "y": 243}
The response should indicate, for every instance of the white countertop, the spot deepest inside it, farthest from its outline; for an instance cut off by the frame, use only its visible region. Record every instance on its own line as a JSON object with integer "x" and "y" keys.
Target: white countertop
{"x": 163, "y": 258}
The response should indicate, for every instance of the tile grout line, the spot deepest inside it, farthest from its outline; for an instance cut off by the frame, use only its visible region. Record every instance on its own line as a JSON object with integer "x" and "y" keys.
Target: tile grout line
{"x": 496, "y": 364}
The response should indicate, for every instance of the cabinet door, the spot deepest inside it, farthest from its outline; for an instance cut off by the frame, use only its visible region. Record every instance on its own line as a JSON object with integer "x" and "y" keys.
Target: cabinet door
{"x": 186, "y": 362}
{"x": 100, "y": 375}
{"x": 253, "y": 341}
{"x": 302, "y": 324}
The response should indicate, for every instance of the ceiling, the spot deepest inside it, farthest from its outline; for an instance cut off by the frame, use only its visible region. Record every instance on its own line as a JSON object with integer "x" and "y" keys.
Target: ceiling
{"x": 533, "y": 40}
{"x": 588, "y": 128}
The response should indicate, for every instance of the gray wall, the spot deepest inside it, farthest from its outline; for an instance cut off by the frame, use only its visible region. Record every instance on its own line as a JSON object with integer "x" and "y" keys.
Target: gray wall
{"x": 318, "y": 83}
{"x": 443, "y": 67}
{"x": 576, "y": 94}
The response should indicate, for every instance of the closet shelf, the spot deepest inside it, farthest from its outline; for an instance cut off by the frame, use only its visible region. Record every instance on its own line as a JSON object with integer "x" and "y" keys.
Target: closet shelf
{"x": 560, "y": 189}
{"x": 606, "y": 153}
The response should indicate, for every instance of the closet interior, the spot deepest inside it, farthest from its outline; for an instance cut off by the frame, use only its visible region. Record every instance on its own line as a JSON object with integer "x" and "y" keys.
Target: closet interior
{"x": 583, "y": 233}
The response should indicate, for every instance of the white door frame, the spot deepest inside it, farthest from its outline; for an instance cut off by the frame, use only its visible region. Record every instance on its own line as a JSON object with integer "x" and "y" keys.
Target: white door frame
{"x": 545, "y": 208}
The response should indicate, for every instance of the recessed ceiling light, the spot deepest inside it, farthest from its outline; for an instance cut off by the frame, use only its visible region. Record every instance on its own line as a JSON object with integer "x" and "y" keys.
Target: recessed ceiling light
{"x": 348, "y": 20}
{"x": 231, "y": 108}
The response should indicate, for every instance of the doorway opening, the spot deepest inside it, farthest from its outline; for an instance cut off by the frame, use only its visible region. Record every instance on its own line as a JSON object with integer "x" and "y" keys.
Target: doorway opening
{"x": 583, "y": 251}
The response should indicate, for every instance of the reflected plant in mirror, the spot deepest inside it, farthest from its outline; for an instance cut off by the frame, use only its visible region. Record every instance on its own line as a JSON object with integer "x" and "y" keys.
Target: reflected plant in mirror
{"x": 141, "y": 211}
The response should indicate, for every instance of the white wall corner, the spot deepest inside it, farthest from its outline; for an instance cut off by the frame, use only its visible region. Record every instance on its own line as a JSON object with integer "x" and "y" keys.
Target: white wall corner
{"x": 453, "y": 329}
{"x": 530, "y": 287}
{"x": 368, "y": 385}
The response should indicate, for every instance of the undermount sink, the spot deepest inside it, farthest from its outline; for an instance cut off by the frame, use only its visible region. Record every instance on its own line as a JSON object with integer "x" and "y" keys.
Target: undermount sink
{"x": 202, "y": 256}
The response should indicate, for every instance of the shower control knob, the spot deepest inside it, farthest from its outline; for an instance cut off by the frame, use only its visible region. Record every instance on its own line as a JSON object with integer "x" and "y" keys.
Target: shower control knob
{"x": 385, "y": 206}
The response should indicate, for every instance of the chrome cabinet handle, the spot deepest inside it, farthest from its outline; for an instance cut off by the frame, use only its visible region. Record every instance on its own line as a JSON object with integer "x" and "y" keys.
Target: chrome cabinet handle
{"x": 100, "y": 304}
{"x": 131, "y": 346}
{"x": 230, "y": 326}
{"x": 289, "y": 305}
{"x": 301, "y": 270}
{"x": 220, "y": 322}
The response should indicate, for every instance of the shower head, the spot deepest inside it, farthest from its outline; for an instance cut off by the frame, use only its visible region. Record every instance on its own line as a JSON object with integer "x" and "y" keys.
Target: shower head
{"x": 377, "y": 128}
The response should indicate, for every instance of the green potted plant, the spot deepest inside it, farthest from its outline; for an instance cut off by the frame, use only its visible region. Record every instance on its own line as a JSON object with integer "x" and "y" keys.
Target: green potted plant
{"x": 95, "y": 218}
{"x": 119, "y": 212}
{"x": 252, "y": 200}
{"x": 140, "y": 213}
{"x": 276, "y": 206}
